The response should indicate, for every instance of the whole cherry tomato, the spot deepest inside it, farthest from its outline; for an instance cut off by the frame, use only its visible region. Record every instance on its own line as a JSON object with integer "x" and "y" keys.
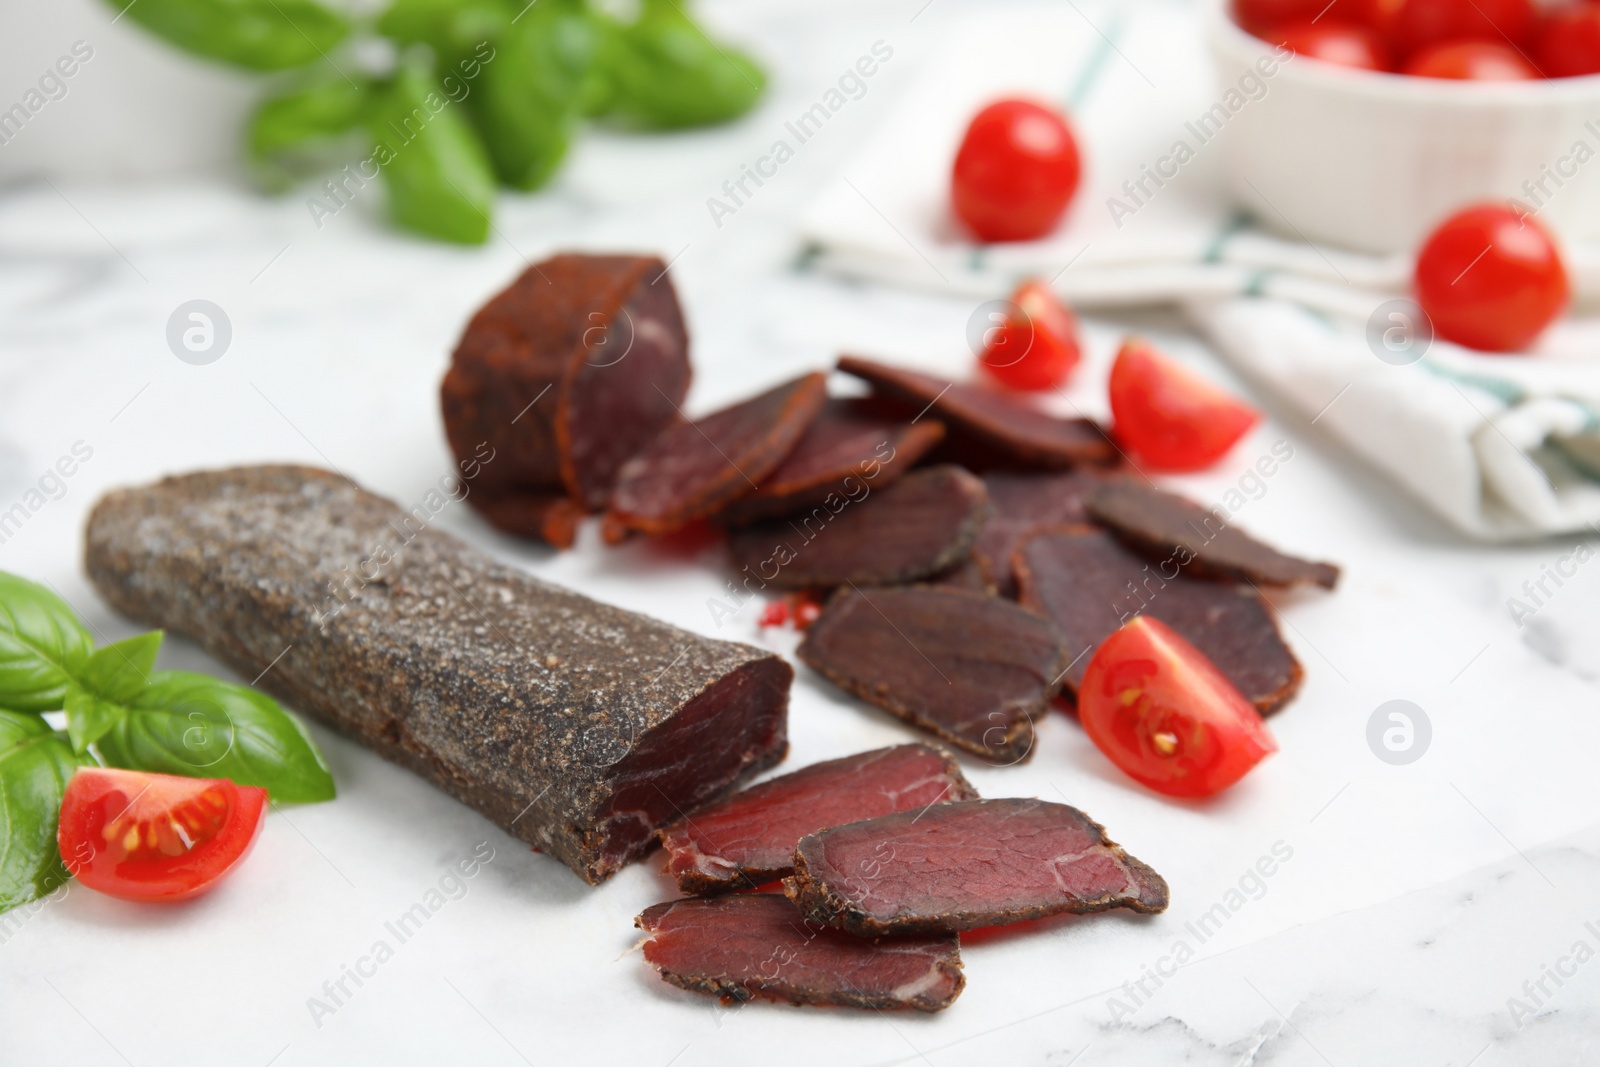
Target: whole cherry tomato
{"x": 1170, "y": 418}
{"x": 1261, "y": 16}
{"x": 1491, "y": 279}
{"x": 1479, "y": 61}
{"x": 1036, "y": 346}
{"x": 1015, "y": 172}
{"x": 1161, "y": 711}
{"x": 1415, "y": 24}
{"x": 1344, "y": 43}
{"x": 1569, "y": 43}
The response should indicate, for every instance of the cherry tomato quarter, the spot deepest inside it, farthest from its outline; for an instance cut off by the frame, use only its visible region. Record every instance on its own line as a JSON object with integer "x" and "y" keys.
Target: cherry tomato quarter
{"x": 1491, "y": 279}
{"x": 1167, "y": 416}
{"x": 1036, "y": 347}
{"x": 1163, "y": 713}
{"x": 1015, "y": 172}
{"x": 141, "y": 836}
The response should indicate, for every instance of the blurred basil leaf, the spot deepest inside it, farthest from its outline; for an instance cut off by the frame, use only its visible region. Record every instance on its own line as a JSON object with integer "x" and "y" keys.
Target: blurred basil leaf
{"x": 304, "y": 127}
{"x": 121, "y": 671}
{"x": 42, "y": 645}
{"x": 35, "y": 764}
{"x": 452, "y": 28}
{"x": 666, "y": 73}
{"x": 255, "y": 34}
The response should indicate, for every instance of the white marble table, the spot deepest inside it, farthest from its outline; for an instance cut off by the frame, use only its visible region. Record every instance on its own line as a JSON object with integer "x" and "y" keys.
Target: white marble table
{"x": 1407, "y": 905}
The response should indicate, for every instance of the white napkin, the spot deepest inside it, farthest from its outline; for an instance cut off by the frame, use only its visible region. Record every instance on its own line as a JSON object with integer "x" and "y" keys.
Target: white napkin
{"x": 1504, "y": 447}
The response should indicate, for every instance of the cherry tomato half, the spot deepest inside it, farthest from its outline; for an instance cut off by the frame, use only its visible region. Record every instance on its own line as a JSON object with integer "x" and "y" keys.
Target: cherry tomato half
{"x": 143, "y": 836}
{"x": 1415, "y": 24}
{"x": 1163, "y": 713}
{"x": 1491, "y": 279}
{"x": 1167, "y": 416}
{"x": 1478, "y": 61}
{"x": 1569, "y": 42}
{"x": 1015, "y": 172}
{"x": 1036, "y": 346}
{"x": 1343, "y": 43}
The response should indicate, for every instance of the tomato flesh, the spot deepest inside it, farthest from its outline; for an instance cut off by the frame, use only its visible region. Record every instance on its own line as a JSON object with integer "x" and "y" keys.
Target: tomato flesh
{"x": 1037, "y": 345}
{"x": 141, "y": 836}
{"x": 1015, "y": 172}
{"x": 1416, "y": 24}
{"x": 1491, "y": 279}
{"x": 1170, "y": 418}
{"x": 1569, "y": 43}
{"x": 1343, "y": 43}
{"x": 1478, "y": 61}
{"x": 1163, "y": 713}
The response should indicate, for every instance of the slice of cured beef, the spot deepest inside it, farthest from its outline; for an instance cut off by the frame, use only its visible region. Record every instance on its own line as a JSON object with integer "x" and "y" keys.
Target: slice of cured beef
{"x": 966, "y": 865}
{"x": 749, "y": 838}
{"x": 566, "y": 374}
{"x": 691, "y": 470}
{"x": 552, "y": 518}
{"x": 575, "y": 726}
{"x": 1089, "y": 584}
{"x": 852, "y": 443}
{"x": 970, "y": 668}
{"x": 747, "y": 945}
{"x": 1023, "y": 502}
{"x": 921, "y": 525}
{"x": 987, "y": 422}
{"x": 1165, "y": 527}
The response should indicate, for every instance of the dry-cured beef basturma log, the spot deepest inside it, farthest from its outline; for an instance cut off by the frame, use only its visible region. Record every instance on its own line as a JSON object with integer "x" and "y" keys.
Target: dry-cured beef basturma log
{"x": 1011, "y": 432}
{"x": 578, "y": 727}
{"x": 851, "y": 443}
{"x": 691, "y": 470}
{"x": 1090, "y": 585}
{"x": 566, "y": 374}
{"x": 750, "y": 945}
{"x": 1165, "y": 526}
{"x": 552, "y": 518}
{"x": 1025, "y": 502}
{"x": 966, "y": 865}
{"x": 972, "y": 669}
{"x": 921, "y": 525}
{"x": 749, "y": 838}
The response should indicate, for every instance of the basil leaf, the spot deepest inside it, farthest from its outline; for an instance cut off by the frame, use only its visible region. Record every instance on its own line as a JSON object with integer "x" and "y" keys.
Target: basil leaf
{"x": 35, "y": 764}
{"x": 669, "y": 74}
{"x": 255, "y": 34}
{"x": 439, "y": 179}
{"x": 198, "y": 726}
{"x": 120, "y": 672}
{"x": 533, "y": 94}
{"x": 302, "y": 129}
{"x": 42, "y": 645}
{"x": 89, "y": 717}
{"x": 452, "y": 28}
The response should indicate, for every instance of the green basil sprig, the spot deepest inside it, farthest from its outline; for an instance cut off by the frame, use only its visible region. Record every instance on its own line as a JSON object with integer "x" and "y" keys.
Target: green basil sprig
{"x": 516, "y": 80}
{"x": 120, "y": 712}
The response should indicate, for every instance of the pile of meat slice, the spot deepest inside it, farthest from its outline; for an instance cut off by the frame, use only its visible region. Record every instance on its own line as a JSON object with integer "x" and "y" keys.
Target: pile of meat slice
{"x": 885, "y": 857}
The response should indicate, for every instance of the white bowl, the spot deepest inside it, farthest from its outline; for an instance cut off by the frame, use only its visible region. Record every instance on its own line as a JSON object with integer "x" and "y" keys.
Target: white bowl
{"x": 1373, "y": 161}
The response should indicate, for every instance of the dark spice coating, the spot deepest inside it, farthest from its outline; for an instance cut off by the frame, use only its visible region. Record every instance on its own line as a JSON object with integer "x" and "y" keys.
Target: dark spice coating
{"x": 691, "y": 470}
{"x": 1089, "y": 584}
{"x": 967, "y": 865}
{"x": 970, "y": 668}
{"x": 852, "y": 441}
{"x": 1165, "y": 526}
{"x": 566, "y": 373}
{"x": 921, "y": 525}
{"x": 988, "y": 422}
{"x": 576, "y": 726}
{"x": 551, "y": 518}
{"x": 749, "y": 838}
{"x": 751, "y": 945}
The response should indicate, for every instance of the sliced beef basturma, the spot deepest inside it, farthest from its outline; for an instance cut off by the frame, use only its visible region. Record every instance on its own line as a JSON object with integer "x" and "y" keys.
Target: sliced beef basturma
{"x": 1166, "y": 527}
{"x": 577, "y": 727}
{"x": 691, "y": 470}
{"x": 562, "y": 377}
{"x": 549, "y": 517}
{"x": 967, "y": 865}
{"x": 852, "y": 443}
{"x": 747, "y": 945}
{"x": 972, "y": 669}
{"x": 986, "y": 423}
{"x": 921, "y": 525}
{"x": 750, "y": 837}
{"x": 1089, "y": 585}
{"x": 1023, "y": 502}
